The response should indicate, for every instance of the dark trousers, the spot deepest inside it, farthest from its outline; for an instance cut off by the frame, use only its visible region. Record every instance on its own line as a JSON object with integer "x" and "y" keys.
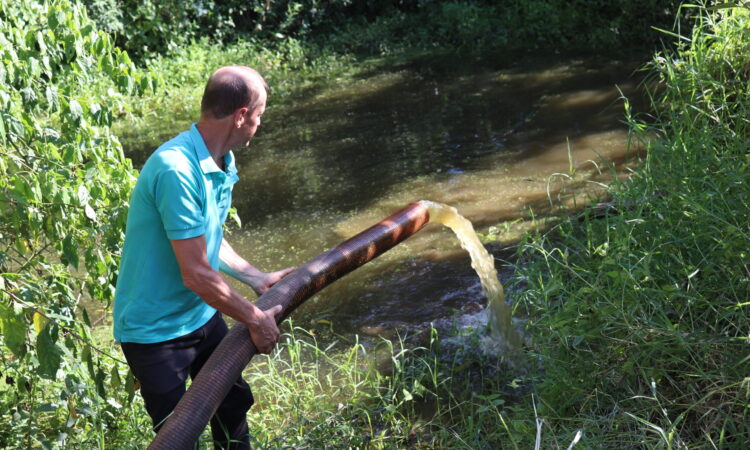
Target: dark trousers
{"x": 163, "y": 367}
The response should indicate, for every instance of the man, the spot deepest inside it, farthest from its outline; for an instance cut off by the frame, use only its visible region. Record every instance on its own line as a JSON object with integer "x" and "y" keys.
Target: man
{"x": 169, "y": 288}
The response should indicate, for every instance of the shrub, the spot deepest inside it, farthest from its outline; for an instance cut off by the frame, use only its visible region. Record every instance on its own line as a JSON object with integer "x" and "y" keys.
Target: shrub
{"x": 64, "y": 187}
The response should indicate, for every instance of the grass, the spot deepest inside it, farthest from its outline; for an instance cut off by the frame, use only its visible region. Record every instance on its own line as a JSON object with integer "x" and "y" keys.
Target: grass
{"x": 641, "y": 317}
{"x": 384, "y": 395}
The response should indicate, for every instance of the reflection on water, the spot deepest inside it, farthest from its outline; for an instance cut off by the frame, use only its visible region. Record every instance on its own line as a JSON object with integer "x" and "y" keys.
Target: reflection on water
{"x": 491, "y": 138}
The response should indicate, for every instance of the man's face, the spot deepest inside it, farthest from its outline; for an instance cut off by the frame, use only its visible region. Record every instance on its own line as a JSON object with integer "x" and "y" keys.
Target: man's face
{"x": 252, "y": 121}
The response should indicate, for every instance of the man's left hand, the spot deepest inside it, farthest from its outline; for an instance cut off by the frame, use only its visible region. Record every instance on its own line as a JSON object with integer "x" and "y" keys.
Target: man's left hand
{"x": 266, "y": 280}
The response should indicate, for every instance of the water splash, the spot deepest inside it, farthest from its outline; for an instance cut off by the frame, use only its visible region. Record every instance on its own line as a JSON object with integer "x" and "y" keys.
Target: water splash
{"x": 499, "y": 312}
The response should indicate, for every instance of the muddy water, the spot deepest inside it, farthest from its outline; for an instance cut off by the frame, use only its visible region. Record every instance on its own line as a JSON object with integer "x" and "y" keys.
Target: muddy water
{"x": 495, "y": 138}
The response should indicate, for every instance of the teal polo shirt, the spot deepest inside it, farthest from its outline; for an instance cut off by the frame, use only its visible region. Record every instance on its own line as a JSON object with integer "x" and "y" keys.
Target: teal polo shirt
{"x": 181, "y": 193}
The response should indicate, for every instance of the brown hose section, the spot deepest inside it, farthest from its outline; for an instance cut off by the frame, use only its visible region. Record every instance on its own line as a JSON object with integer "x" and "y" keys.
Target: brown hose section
{"x": 198, "y": 405}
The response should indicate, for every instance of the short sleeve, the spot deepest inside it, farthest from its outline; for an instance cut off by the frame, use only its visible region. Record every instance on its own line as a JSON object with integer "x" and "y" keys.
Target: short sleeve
{"x": 180, "y": 204}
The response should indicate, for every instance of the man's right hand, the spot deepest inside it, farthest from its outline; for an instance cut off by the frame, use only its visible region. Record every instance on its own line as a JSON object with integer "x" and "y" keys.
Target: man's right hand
{"x": 263, "y": 330}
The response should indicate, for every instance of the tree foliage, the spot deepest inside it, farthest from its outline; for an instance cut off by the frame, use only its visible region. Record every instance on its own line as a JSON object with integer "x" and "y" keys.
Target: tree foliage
{"x": 148, "y": 27}
{"x": 64, "y": 186}
{"x": 478, "y": 25}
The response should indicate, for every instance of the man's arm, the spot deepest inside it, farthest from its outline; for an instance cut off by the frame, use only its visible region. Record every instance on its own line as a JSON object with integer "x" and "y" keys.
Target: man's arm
{"x": 201, "y": 278}
{"x": 235, "y": 266}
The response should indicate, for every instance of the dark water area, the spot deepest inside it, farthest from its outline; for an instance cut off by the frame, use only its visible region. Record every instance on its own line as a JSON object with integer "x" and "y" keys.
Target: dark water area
{"x": 494, "y": 137}
{"x": 346, "y": 147}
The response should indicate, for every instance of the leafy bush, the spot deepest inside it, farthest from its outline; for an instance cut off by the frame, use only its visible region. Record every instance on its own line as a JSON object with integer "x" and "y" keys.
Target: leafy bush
{"x": 146, "y": 28}
{"x": 64, "y": 187}
{"x": 149, "y": 27}
{"x": 476, "y": 26}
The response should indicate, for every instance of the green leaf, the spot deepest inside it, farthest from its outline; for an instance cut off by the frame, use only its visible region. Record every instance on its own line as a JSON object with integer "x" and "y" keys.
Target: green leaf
{"x": 71, "y": 154}
{"x": 46, "y": 407}
{"x": 4, "y": 96}
{"x": 114, "y": 379}
{"x": 15, "y": 126}
{"x": 47, "y": 352}
{"x": 86, "y": 356}
{"x": 125, "y": 83}
{"x": 723, "y": 6}
{"x": 2, "y": 130}
{"x": 99, "y": 381}
{"x": 34, "y": 67}
{"x": 39, "y": 322}
{"x": 40, "y": 41}
{"x": 21, "y": 247}
{"x": 36, "y": 190}
{"x": 131, "y": 384}
{"x": 86, "y": 318}
{"x": 70, "y": 345}
{"x": 28, "y": 96}
{"x": 76, "y": 111}
{"x": 70, "y": 252}
{"x": 235, "y": 217}
{"x": 50, "y": 94}
{"x": 14, "y": 331}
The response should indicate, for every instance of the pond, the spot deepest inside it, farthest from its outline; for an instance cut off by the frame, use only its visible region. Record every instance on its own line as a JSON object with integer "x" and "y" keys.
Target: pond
{"x": 506, "y": 141}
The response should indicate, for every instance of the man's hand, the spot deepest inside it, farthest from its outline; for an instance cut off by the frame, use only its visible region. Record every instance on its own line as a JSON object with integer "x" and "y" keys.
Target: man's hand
{"x": 199, "y": 276}
{"x": 236, "y": 267}
{"x": 263, "y": 330}
{"x": 265, "y": 280}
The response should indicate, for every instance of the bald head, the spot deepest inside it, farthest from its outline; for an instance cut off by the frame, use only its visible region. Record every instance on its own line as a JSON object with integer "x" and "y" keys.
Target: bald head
{"x": 231, "y": 88}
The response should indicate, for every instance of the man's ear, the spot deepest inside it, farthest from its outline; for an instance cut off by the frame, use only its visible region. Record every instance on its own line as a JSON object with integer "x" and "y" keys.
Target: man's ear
{"x": 239, "y": 117}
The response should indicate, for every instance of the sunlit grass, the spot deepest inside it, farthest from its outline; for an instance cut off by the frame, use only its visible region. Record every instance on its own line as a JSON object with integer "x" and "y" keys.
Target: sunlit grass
{"x": 641, "y": 315}
{"x": 419, "y": 393}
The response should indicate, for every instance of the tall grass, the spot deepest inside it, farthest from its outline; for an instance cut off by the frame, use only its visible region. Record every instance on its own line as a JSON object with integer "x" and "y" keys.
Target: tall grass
{"x": 641, "y": 318}
{"x": 391, "y": 394}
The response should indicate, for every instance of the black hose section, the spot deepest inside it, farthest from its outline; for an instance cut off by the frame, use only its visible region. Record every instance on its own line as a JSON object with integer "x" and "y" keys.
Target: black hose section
{"x": 189, "y": 418}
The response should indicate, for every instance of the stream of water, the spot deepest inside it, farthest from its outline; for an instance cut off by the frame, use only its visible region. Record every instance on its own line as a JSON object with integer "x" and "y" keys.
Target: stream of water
{"x": 499, "y": 314}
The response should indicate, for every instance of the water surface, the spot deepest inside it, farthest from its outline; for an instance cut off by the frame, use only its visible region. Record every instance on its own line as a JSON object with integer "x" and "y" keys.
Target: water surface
{"x": 492, "y": 137}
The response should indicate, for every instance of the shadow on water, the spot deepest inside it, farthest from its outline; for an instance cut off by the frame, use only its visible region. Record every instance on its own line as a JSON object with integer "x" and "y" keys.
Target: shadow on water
{"x": 347, "y": 147}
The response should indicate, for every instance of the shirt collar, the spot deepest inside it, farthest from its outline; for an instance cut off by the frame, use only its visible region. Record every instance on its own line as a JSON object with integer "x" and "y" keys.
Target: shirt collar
{"x": 205, "y": 160}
